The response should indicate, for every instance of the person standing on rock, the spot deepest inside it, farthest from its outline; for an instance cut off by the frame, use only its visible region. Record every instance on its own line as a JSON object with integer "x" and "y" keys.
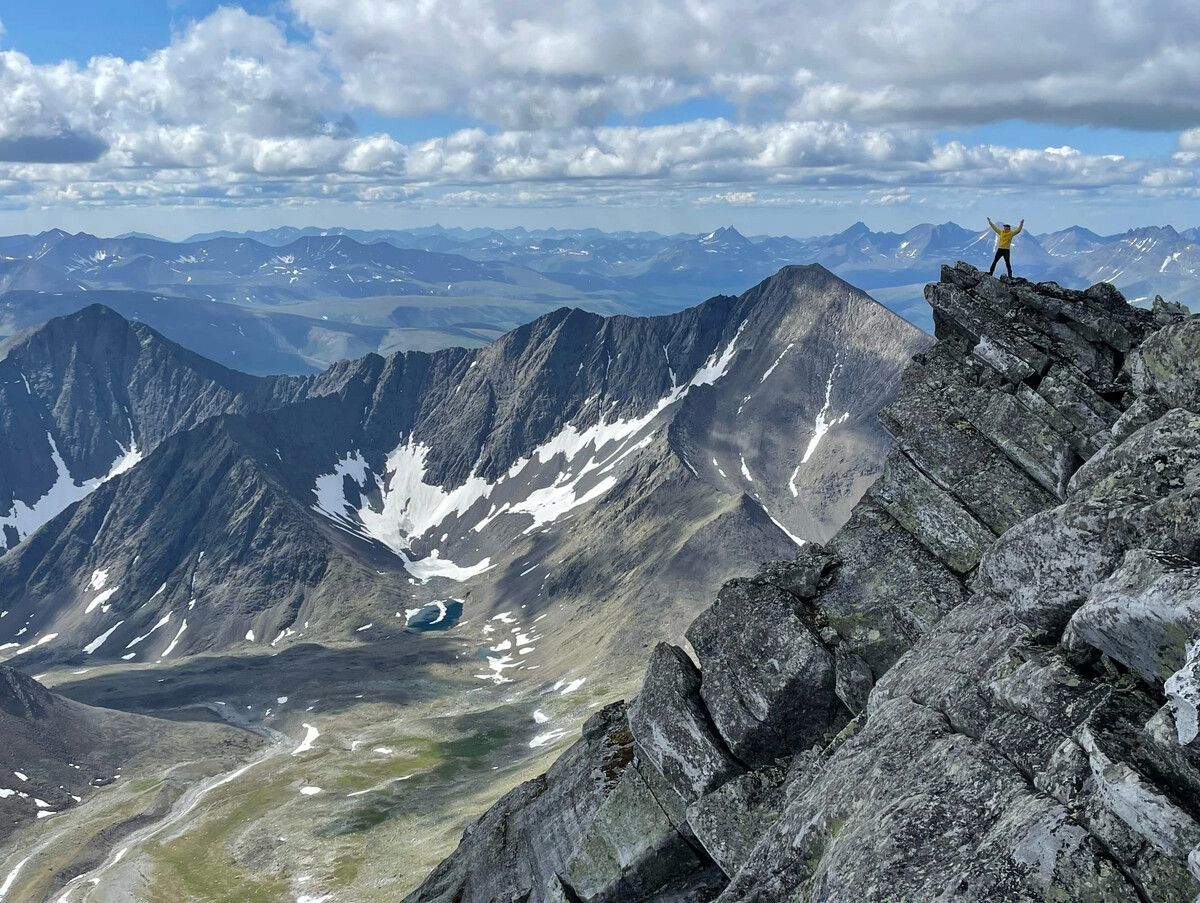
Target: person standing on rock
{"x": 1004, "y": 245}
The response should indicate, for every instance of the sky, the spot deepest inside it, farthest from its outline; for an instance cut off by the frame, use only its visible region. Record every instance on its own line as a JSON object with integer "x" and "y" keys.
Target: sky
{"x": 775, "y": 116}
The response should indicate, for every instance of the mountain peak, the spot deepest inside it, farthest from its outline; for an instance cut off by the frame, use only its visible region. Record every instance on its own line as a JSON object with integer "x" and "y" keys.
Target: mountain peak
{"x": 858, "y": 229}
{"x": 725, "y": 233}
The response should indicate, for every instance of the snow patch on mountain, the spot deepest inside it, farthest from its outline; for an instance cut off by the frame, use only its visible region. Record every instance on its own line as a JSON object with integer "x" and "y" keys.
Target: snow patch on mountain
{"x": 822, "y": 426}
{"x": 400, "y": 507}
{"x": 25, "y": 517}
{"x": 99, "y": 641}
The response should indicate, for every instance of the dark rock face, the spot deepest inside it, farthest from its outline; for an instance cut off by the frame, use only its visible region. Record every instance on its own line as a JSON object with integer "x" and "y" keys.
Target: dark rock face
{"x": 673, "y": 729}
{"x": 768, "y": 679}
{"x": 527, "y": 838}
{"x": 1010, "y": 618}
{"x": 1142, "y": 614}
{"x": 84, "y": 395}
{"x": 21, "y": 696}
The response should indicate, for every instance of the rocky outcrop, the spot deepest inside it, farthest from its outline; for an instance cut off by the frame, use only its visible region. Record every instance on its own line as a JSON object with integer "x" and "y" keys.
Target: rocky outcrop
{"x": 985, "y": 686}
{"x": 527, "y": 838}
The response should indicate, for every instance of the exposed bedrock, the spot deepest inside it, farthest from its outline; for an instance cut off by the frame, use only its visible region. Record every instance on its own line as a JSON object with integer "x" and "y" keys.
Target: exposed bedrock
{"x": 985, "y": 687}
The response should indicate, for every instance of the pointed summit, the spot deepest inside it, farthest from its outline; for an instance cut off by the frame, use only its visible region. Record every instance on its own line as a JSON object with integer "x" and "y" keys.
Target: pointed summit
{"x": 858, "y": 230}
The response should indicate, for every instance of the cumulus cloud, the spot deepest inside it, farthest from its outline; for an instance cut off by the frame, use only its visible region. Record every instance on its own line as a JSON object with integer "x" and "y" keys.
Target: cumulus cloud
{"x": 518, "y": 63}
{"x": 231, "y": 72}
{"x": 830, "y": 97}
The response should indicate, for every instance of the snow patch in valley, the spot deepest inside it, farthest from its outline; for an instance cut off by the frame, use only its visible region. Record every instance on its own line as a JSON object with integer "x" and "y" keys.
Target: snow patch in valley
{"x": 547, "y": 738}
{"x": 307, "y": 744}
{"x": 565, "y": 689}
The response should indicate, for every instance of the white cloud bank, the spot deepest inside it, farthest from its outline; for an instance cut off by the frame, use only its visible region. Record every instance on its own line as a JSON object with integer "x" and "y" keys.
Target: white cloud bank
{"x": 240, "y": 109}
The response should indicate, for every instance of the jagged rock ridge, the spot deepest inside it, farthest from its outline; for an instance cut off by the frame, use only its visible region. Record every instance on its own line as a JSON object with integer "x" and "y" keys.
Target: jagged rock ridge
{"x": 983, "y": 687}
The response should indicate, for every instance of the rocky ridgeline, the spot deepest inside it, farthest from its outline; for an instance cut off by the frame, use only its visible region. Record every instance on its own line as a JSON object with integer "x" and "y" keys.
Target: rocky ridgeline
{"x": 984, "y": 687}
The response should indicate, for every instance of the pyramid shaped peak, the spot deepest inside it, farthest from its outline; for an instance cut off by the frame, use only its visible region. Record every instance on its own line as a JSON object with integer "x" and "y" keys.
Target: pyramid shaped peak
{"x": 723, "y": 233}
{"x": 859, "y": 228}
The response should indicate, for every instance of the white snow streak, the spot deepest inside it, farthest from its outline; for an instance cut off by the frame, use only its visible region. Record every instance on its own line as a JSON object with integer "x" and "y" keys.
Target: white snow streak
{"x": 820, "y": 427}
{"x": 100, "y": 599}
{"x": 546, "y": 739}
{"x": 410, "y": 507}
{"x": 306, "y": 745}
{"x": 146, "y": 635}
{"x": 12, "y": 877}
{"x": 771, "y": 369}
{"x": 173, "y": 642}
{"x": 25, "y": 518}
{"x": 99, "y": 641}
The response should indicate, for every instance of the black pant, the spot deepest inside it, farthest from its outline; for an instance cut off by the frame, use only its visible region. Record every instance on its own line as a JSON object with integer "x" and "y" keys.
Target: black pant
{"x": 1001, "y": 253}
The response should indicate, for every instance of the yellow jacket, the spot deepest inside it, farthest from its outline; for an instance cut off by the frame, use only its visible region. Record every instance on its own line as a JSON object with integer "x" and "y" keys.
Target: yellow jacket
{"x": 1006, "y": 235}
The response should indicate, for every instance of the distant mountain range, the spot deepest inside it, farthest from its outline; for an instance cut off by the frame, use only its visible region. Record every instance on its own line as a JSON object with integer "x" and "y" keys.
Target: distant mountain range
{"x": 296, "y": 300}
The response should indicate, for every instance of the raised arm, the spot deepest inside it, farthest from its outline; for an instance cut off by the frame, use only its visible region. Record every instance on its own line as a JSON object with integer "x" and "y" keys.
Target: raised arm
{"x": 1020, "y": 226}
{"x": 993, "y": 225}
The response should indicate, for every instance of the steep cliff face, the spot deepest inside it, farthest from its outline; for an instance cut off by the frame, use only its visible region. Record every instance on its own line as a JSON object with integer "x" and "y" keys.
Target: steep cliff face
{"x": 983, "y": 687}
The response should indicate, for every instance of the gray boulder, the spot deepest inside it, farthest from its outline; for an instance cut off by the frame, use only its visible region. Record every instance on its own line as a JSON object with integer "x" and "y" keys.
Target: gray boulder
{"x": 1140, "y": 494}
{"x": 729, "y": 821}
{"x": 1183, "y": 690}
{"x": 1142, "y": 615}
{"x": 935, "y": 517}
{"x": 768, "y": 679}
{"x": 673, "y": 730}
{"x": 1169, "y": 358}
{"x": 636, "y": 844}
{"x": 528, "y": 836}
